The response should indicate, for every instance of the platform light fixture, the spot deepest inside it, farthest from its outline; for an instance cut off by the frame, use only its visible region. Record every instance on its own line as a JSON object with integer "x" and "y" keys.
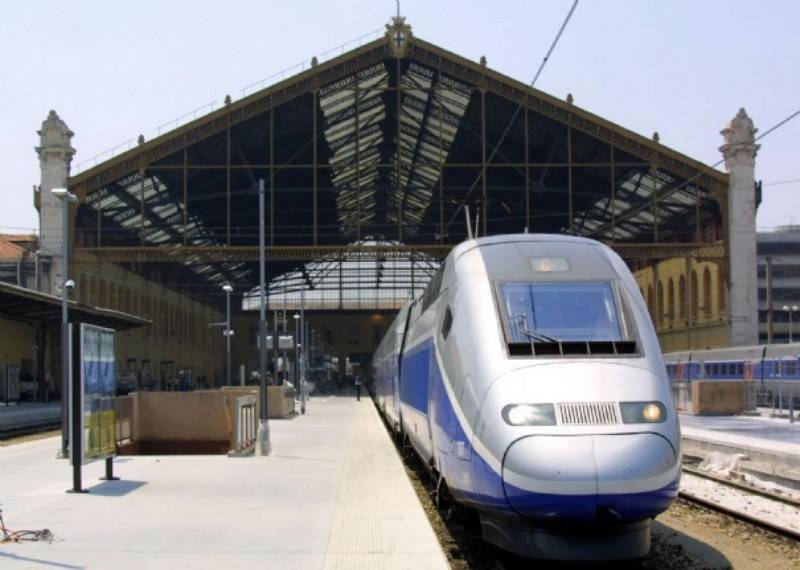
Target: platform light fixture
{"x": 228, "y": 288}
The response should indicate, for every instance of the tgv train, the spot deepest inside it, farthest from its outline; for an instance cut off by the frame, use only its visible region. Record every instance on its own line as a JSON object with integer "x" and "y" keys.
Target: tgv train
{"x": 764, "y": 363}
{"x": 528, "y": 377}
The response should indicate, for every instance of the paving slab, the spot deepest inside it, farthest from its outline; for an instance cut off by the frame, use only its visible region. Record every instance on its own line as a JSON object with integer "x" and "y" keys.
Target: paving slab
{"x": 333, "y": 495}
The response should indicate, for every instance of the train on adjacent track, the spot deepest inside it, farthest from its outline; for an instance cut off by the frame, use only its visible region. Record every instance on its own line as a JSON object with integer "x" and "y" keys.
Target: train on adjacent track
{"x": 529, "y": 379}
{"x": 765, "y": 363}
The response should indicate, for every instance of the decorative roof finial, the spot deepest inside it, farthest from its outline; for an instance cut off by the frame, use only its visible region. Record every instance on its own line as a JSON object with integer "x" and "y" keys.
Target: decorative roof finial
{"x": 398, "y": 34}
{"x": 55, "y": 138}
{"x": 656, "y": 138}
{"x": 227, "y": 100}
{"x": 483, "y": 61}
{"x": 740, "y": 139}
{"x": 314, "y": 61}
{"x": 140, "y": 140}
{"x": 570, "y": 99}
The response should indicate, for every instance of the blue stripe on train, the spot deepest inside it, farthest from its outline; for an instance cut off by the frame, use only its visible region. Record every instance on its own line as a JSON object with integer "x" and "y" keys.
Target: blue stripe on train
{"x": 473, "y": 481}
{"x": 415, "y": 376}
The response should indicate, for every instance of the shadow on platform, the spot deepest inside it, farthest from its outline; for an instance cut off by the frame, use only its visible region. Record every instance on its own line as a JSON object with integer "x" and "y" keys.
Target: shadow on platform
{"x": 116, "y": 488}
{"x": 24, "y": 559}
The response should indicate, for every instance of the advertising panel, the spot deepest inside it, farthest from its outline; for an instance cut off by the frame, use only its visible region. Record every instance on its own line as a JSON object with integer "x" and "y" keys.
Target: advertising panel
{"x": 98, "y": 388}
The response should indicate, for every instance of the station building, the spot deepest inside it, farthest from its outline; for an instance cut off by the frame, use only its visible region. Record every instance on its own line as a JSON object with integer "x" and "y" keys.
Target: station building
{"x": 369, "y": 163}
{"x": 780, "y": 249}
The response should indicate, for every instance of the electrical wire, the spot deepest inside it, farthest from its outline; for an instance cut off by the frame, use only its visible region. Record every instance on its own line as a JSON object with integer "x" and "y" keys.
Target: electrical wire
{"x": 514, "y": 116}
{"x": 780, "y": 182}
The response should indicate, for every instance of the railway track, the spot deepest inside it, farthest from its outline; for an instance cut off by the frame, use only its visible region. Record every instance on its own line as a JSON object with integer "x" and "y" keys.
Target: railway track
{"x": 22, "y": 431}
{"x": 739, "y": 514}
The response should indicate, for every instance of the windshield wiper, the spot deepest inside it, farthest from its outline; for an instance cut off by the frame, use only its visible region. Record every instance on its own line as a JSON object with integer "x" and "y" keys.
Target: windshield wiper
{"x": 538, "y": 336}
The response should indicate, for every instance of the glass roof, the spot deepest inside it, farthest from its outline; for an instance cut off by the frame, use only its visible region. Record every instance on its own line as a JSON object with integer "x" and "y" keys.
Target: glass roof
{"x": 148, "y": 207}
{"x": 392, "y": 148}
{"x": 351, "y": 281}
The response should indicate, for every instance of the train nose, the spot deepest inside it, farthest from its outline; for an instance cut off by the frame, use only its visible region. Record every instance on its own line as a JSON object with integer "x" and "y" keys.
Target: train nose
{"x": 590, "y": 477}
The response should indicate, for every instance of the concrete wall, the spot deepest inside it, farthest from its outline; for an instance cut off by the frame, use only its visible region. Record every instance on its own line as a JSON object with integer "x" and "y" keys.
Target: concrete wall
{"x": 718, "y": 397}
{"x": 190, "y": 417}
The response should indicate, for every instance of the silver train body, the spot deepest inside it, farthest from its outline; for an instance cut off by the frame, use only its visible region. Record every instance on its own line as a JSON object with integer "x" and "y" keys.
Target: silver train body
{"x": 529, "y": 378}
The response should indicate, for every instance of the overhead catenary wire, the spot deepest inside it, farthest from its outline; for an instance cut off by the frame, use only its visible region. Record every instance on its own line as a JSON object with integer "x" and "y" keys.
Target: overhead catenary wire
{"x": 763, "y": 135}
{"x": 515, "y": 115}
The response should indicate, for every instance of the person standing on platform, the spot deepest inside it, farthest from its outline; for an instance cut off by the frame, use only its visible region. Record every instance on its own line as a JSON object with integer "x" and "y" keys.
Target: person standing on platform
{"x": 357, "y": 382}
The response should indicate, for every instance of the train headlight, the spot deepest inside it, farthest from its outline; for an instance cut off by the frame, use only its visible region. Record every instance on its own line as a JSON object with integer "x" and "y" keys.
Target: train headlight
{"x": 643, "y": 412}
{"x": 530, "y": 415}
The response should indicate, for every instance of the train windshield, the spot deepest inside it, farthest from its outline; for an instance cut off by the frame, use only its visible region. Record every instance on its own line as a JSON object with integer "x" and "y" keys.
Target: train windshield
{"x": 561, "y": 312}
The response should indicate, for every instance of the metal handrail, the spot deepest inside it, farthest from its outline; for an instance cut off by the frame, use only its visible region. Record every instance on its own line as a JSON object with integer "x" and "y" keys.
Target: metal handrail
{"x": 245, "y": 424}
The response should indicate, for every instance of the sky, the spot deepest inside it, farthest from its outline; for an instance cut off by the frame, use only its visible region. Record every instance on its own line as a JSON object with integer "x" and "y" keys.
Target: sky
{"x": 114, "y": 70}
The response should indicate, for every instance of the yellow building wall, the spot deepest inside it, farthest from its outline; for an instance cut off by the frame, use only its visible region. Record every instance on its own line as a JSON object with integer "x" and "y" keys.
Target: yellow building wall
{"x": 178, "y": 339}
{"x": 16, "y": 343}
{"x": 687, "y": 300}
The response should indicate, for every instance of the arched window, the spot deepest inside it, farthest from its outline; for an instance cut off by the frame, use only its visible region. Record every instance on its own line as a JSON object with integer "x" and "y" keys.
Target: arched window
{"x": 707, "y": 292}
{"x": 721, "y": 294}
{"x": 650, "y": 301}
{"x": 660, "y": 306}
{"x": 694, "y": 295}
{"x": 682, "y": 299}
{"x": 671, "y": 300}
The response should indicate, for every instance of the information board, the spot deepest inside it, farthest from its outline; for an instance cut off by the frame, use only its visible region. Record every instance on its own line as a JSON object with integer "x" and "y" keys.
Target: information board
{"x": 97, "y": 389}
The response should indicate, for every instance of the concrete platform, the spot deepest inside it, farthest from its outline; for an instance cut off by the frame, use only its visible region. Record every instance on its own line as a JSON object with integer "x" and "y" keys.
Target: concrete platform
{"x": 333, "y": 495}
{"x": 24, "y": 415}
{"x": 771, "y": 446}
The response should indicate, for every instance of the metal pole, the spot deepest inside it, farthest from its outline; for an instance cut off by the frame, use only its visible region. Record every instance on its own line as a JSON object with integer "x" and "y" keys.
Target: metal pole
{"x": 296, "y": 367}
{"x": 304, "y": 377}
{"x": 65, "y": 356}
{"x": 285, "y": 329}
{"x": 262, "y": 437}
{"x": 769, "y": 298}
{"x": 228, "y": 337}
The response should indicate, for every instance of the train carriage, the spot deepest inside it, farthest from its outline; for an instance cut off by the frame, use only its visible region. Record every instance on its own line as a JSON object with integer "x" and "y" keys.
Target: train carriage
{"x": 528, "y": 377}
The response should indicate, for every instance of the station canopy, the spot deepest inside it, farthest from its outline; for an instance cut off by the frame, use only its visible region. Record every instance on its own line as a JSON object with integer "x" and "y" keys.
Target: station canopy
{"x": 368, "y": 161}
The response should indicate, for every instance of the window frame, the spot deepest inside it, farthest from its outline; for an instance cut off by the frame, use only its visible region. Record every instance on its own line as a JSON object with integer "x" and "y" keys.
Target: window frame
{"x": 627, "y": 324}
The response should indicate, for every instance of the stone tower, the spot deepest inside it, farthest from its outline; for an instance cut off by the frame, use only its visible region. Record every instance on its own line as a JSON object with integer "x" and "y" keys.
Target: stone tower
{"x": 55, "y": 154}
{"x": 739, "y": 151}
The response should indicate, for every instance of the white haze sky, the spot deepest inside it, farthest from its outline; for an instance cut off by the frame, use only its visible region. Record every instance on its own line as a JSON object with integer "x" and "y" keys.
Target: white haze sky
{"x": 113, "y": 70}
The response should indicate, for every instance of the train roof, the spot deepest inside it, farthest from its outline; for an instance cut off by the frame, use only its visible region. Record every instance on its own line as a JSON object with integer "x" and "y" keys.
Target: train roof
{"x": 504, "y": 239}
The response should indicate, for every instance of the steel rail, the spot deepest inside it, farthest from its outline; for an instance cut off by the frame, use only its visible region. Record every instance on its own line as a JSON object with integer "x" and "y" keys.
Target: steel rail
{"x": 743, "y": 487}
{"x": 740, "y": 516}
{"x": 10, "y": 433}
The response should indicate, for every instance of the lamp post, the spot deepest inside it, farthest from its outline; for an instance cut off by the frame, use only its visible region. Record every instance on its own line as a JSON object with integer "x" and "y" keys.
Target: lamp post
{"x": 228, "y": 288}
{"x": 790, "y": 309}
{"x": 262, "y": 436}
{"x": 66, "y": 284}
{"x": 303, "y": 325}
{"x": 296, "y": 378}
